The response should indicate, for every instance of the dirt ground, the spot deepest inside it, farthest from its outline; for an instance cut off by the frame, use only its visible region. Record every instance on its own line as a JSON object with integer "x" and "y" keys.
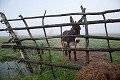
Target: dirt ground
{"x": 81, "y": 57}
{"x": 93, "y": 57}
{"x": 99, "y": 67}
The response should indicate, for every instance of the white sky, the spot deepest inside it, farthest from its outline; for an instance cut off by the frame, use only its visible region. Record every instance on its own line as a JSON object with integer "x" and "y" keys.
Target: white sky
{"x": 13, "y": 8}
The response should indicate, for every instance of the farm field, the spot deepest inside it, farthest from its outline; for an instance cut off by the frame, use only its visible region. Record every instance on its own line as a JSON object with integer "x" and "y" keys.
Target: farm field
{"x": 57, "y": 57}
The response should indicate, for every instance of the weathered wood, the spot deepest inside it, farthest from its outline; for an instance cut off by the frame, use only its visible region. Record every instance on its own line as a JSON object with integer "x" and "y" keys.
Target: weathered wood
{"x": 86, "y": 34}
{"x": 61, "y": 48}
{"x": 38, "y": 51}
{"x": 43, "y": 62}
{"x": 108, "y": 42}
{"x": 47, "y": 43}
{"x": 14, "y": 37}
{"x": 45, "y": 30}
{"x": 68, "y": 14}
{"x": 65, "y": 24}
{"x": 81, "y": 36}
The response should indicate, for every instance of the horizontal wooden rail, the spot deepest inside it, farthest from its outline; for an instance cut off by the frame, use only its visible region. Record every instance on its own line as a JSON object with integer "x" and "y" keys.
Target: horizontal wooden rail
{"x": 43, "y": 62}
{"x": 68, "y": 14}
{"x": 60, "y": 48}
{"x": 81, "y": 36}
{"x": 66, "y": 24}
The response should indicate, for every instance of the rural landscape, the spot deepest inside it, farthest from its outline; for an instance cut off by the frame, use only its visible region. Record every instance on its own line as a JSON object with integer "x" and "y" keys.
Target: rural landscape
{"x": 71, "y": 55}
{"x": 13, "y": 68}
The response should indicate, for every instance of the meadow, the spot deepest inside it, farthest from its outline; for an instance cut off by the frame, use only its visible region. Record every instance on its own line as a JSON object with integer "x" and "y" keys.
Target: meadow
{"x": 57, "y": 57}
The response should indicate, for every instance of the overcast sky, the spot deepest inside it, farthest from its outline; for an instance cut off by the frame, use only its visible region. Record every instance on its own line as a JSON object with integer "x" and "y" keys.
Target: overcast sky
{"x": 28, "y": 8}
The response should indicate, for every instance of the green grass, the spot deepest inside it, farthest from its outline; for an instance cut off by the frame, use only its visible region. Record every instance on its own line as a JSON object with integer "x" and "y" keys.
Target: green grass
{"x": 95, "y": 43}
{"x": 56, "y": 57}
{"x": 116, "y": 57}
{"x": 59, "y": 73}
{"x": 103, "y": 44}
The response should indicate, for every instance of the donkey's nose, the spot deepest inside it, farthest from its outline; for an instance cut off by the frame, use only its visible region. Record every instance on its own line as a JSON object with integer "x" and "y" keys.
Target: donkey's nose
{"x": 77, "y": 41}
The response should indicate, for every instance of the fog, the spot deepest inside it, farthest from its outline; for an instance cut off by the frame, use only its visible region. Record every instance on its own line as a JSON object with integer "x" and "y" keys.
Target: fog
{"x": 28, "y": 8}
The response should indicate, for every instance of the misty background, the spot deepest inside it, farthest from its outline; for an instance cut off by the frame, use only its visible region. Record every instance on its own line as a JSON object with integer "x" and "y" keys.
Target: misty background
{"x": 29, "y": 8}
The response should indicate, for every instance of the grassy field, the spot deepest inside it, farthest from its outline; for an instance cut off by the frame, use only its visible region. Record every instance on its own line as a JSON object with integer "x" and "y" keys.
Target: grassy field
{"x": 60, "y": 73}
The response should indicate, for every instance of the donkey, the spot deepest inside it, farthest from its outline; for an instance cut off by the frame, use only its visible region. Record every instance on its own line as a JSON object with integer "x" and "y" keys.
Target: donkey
{"x": 66, "y": 39}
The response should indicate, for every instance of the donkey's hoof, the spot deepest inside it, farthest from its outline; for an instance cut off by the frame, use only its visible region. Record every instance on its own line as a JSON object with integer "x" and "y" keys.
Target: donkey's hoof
{"x": 76, "y": 59}
{"x": 70, "y": 60}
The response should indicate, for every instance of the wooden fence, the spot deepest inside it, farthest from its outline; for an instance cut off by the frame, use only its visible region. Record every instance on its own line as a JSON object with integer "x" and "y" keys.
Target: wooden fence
{"x": 86, "y": 23}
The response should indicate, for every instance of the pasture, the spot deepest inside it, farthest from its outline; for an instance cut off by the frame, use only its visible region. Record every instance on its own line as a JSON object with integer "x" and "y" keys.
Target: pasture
{"x": 43, "y": 58}
{"x": 57, "y": 57}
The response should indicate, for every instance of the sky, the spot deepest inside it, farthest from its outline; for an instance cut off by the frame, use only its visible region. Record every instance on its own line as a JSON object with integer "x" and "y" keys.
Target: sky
{"x": 28, "y": 8}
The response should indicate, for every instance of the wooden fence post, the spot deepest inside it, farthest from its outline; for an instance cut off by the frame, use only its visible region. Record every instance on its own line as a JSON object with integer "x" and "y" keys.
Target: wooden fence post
{"x": 86, "y": 34}
{"x": 47, "y": 43}
{"x": 30, "y": 34}
{"x": 14, "y": 37}
{"x": 108, "y": 42}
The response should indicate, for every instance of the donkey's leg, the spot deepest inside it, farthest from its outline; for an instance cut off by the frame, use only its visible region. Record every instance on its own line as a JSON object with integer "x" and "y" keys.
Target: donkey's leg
{"x": 65, "y": 46}
{"x": 65, "y": 53}
{"x": 68, "y": 45}
{"x": 69, "y": 55}
{"x": 75, "y": 57}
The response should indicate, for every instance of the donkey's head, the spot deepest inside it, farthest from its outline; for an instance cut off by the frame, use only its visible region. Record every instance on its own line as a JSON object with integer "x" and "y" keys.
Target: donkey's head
{"x": 75, "y": 28}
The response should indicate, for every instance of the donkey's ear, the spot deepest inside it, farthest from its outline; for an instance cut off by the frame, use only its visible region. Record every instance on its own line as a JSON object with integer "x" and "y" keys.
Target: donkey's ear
{"x": 71, "y": 19}
{"x": 81, "y": 7}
